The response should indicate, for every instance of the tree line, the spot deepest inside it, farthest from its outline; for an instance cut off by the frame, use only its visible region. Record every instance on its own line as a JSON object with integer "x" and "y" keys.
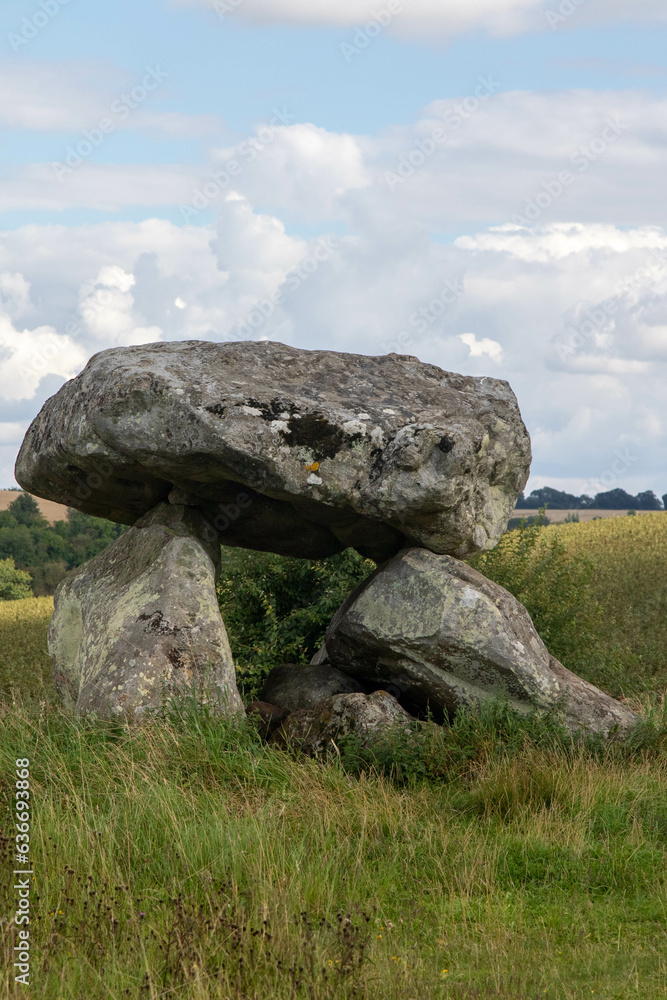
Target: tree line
{"x": 35, "y": 555}
{"x": 611, "y": 500}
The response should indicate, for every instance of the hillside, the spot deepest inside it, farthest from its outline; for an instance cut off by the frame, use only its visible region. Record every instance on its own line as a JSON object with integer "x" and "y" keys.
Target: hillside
{"x": 49, "y": 509}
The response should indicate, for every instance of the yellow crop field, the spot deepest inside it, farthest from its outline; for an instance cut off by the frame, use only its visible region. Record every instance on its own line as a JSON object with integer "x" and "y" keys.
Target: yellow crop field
{"x": 24, "y": 661}
{"x": 609, "y": 577}
{"x": 629, "y": 555}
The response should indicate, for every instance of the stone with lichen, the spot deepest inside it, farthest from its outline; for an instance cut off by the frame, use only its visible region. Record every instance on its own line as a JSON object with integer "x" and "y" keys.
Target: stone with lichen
{"x": 297, "y": 452}
{"x": 140, "y": 622}
{"x": 442, "y": 637}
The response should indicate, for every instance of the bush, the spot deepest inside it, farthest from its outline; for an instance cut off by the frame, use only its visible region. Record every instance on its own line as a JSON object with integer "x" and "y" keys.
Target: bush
{"x": 276, "y": 608}
{"x": 14, "y": 583}
{"x": 554, "y": 585}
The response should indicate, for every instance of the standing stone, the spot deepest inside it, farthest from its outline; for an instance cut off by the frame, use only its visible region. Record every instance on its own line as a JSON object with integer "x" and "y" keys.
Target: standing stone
{"x": 140, "y": 621}
{"x": 439, "y": 634}
{"x": 297, "y": 452}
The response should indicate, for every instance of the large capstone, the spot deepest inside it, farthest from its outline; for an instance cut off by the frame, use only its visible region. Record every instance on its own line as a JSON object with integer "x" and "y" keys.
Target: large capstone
{"x": 437, "y": 634}
{"x": 297, "y": 452}
{"x": 140, "y": 622}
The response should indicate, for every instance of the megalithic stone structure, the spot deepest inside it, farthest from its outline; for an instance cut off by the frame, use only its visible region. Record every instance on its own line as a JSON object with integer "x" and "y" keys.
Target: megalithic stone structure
{"x": 323, "y": 450}
{"x": 302, "y": 453}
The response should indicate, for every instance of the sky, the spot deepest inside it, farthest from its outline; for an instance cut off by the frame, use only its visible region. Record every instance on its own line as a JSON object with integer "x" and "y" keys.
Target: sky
{"x": 480, "y": 184}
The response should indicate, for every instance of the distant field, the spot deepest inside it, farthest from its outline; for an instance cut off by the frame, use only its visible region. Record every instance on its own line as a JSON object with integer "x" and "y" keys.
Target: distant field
{"x": 555, "y": 516}
{"x": 629, "y": 555}
{"x": 25, "y": 667}
{"x": 51, "y": 511}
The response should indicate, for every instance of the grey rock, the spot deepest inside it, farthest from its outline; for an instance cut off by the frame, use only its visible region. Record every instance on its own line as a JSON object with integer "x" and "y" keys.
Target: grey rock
{"x": 141, "y": 621}
{"x": 321, "y": 656}
{"x": 268, "y": 717}
{"x": 315, "y": 730}
{"x": 291, "y": 451}
{"x": 439, "y": 633}
{"x": 293, "y": 686}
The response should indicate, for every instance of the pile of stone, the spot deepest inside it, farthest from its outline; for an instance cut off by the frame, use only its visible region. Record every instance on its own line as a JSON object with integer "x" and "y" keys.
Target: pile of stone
{"x": 302, "y": 453}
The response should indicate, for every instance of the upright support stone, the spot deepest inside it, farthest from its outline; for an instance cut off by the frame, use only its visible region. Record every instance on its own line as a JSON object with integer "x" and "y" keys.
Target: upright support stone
{"x": 141, "y": 621}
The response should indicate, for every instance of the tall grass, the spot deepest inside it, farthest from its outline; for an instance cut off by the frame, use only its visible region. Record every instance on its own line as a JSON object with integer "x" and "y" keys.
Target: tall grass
{"x": 191, "y": 860}
{"x": 497, "y": 858}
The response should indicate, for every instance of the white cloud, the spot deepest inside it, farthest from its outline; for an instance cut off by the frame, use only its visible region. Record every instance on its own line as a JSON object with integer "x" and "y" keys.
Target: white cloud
{"x": 76, "y": 96}
{"x": 495, "y": 167}
{"x": 300, "y": 166}
{"x": 14, "y": 293}
{"x": 433, "y": 18}
{"x": 371, "y": 295}
{"x": 26, "y": 356}
{"x": 562, "y": 239}
{"x": 12, "y": 432}
{"x": 101, "y": 187}
{"x": 485, "y": 346}
{"x": 107, "y": 310}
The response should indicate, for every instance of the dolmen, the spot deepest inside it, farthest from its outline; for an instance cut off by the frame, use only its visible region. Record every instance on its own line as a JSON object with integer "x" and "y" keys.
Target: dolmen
{"x": 195, "y": 445}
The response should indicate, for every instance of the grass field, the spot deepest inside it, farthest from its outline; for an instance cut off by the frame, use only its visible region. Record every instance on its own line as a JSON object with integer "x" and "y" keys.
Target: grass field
{"x": 189, "y": 860}
{"x": 626, "y": 594}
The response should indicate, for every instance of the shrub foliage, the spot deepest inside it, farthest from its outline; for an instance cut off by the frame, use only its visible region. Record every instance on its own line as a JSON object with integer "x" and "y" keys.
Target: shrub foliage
{"x": 47, "y": 551}
{"x": 14, "y": 583}
{"x": 276, "y": 609}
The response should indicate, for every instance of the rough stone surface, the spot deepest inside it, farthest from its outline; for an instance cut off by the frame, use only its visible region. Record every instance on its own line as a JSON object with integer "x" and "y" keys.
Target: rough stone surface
{"x": 293, "y": 686}
{"x": 141, "y": 620}
{"x": 267, "y": 716}
{"x": 296, "y": 452}
{"x": 439, "y": 633}
{"x": 312, "y": 730}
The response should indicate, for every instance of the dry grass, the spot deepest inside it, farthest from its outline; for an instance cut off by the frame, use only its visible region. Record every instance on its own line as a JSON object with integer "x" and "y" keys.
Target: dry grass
{"x": 25, "y": 667}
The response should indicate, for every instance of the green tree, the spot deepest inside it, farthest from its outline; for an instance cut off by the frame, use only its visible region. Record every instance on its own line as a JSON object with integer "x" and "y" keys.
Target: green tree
{"x": 48, "y": 551}
{"x": 276, "y": 608}
{"x": 14, "y": 583}
{"x": 25, "y": 510}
